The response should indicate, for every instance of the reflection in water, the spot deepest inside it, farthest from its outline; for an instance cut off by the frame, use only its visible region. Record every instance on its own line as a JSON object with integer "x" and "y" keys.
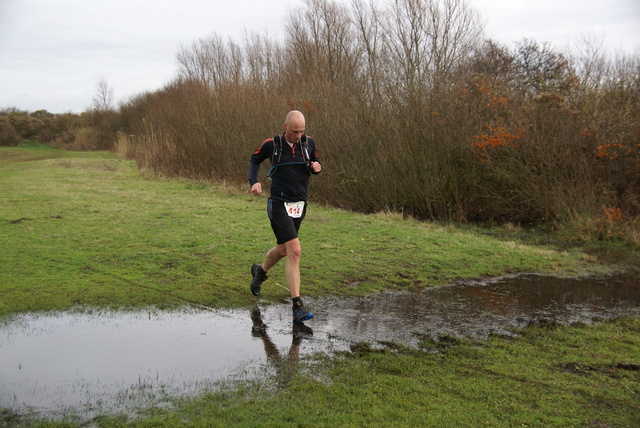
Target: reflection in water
{"x": 116, "y": 361}
{"x": 285, "y": 366}
{"x": 106, "y": 362}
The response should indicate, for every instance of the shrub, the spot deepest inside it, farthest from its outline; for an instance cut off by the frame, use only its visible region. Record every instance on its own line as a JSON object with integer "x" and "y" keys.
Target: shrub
{"x": 8, "y": 135}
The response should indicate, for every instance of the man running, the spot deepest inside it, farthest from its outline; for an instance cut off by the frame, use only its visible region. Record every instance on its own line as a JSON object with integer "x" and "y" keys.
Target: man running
{"x": 294, "y": 158}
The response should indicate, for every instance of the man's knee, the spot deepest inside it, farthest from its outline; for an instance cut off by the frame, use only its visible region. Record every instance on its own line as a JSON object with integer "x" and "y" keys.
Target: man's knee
{"x": 293, "y": 249}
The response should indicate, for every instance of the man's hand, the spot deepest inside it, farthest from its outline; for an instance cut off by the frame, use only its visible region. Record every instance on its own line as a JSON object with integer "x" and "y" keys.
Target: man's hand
{"x": 256, "y": 189}
{"x": 316, "y": 167}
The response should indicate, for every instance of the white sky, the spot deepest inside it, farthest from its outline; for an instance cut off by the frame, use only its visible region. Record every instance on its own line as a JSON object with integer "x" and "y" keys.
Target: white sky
{"x": 54, "y": 52}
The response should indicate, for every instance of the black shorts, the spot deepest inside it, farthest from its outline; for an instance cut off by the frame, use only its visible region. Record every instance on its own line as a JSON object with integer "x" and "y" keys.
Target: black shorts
{"x": 284, "y": 226}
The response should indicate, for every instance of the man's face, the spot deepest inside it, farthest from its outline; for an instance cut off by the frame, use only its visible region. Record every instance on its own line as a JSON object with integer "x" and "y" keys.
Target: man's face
{"x": 294, "y": 131}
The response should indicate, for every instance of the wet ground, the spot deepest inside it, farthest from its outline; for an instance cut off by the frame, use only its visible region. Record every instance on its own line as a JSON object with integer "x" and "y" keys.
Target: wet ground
{"x": 105, "y": 362}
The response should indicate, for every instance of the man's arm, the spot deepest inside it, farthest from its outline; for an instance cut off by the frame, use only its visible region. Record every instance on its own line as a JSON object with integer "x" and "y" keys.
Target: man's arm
{"x": 254, "y": 167}
{"x": 314, "y": 163}
{"x": 262, "y": 153}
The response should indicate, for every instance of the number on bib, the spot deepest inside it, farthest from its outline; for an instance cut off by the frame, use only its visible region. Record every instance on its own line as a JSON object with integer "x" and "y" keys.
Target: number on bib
{"x": 294, "y": 209}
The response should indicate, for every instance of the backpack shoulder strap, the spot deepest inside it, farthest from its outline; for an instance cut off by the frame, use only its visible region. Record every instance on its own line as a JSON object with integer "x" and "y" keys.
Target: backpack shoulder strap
{"x": 277, "y": 150}
{"x": 304, "y": 147}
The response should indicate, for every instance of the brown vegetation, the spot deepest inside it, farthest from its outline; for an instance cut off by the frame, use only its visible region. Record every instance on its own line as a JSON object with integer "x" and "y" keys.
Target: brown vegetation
{"x": 413, "y": 111}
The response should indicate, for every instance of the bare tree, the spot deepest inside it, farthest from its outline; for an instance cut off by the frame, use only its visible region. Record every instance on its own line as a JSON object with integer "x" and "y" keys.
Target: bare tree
{"x": 103, "y": 98}
{"x": 427, "y": 39}
{"x": 366, "y": 18}
{"x": 321, "y": 37}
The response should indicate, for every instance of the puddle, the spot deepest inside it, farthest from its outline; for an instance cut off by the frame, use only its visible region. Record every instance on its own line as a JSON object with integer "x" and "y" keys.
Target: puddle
{"x": 483, "y": 308}
{"x": 97, "y": 362}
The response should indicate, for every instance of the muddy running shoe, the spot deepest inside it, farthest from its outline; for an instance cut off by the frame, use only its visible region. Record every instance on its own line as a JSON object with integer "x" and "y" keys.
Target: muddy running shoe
{"x": 299, "y": 312}
{"x": 258, "y": 278}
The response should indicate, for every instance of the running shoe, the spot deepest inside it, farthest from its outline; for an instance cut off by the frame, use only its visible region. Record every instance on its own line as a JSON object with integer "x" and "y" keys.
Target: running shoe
{"x": 300, "y": 313}
{"x": 258, "y": 278}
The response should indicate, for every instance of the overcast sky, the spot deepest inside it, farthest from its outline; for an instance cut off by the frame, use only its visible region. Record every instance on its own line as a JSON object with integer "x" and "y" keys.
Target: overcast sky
{"x": 54, "y": 52}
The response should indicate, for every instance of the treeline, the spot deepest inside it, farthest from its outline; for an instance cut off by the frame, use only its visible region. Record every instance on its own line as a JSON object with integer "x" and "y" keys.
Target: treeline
{"x": 414, "y": 110}
{"x": 91, "y": 130}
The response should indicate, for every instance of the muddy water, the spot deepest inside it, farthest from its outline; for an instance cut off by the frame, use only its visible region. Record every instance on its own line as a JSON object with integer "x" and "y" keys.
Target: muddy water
{"x": 482, "y": 308}
{"x": 104, "y": 362}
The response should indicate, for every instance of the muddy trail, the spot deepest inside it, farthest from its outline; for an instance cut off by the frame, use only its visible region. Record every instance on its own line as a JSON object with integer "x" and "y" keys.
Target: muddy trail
{"x": 95, "y": 362}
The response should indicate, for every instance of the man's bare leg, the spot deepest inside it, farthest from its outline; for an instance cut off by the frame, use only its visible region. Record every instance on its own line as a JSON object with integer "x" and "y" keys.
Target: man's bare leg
{"x": 273, "y": 256}
{"x": 292, "y": 266}
{"x": 292, "y": 251}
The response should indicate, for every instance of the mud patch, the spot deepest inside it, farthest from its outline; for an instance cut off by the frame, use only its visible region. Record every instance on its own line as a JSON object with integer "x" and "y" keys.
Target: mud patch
{"x": 19, "y": 220}
{"x": 97, "y": 362}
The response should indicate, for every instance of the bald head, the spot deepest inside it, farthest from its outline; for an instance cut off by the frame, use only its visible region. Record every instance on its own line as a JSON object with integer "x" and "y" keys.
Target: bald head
{"x": 294, "y": 126}
{"x": 294, "y": 116}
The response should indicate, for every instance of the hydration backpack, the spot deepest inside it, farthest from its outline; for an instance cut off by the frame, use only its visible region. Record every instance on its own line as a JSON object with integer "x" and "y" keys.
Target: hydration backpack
{"x": 277, "y": 154}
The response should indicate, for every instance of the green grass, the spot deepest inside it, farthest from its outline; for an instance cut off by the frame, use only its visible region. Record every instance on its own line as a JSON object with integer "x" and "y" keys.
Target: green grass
{"x": 87, "y": 229}
{"x": 548, "y": 377}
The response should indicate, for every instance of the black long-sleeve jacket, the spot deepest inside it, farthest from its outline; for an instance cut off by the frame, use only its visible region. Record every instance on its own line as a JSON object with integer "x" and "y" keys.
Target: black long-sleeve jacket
{"x": 290, "y": 178}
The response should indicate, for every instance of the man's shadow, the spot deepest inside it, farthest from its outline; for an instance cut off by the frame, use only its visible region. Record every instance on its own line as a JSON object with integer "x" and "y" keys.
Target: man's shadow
{"x": 286, "y": 365}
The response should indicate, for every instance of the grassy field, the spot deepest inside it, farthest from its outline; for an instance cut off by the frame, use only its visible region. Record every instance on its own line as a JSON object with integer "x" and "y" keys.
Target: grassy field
{"x": 88, "y": 229}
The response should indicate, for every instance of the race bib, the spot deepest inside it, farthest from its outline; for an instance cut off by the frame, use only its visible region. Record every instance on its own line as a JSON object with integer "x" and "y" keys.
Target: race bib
{"x": 294, "y": 209}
